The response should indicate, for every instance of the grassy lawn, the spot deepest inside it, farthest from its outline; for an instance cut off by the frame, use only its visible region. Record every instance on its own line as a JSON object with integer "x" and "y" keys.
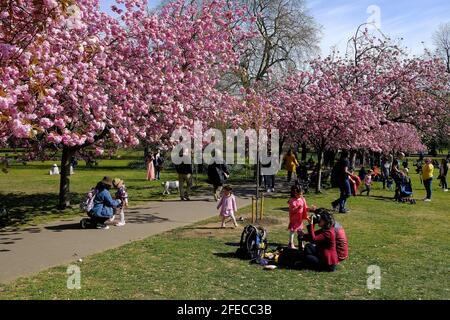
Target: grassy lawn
{"x": 31, "y": 194}
{"x": 410, "y": 244}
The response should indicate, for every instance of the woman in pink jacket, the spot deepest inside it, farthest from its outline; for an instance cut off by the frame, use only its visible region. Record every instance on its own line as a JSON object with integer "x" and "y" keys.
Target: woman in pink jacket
{"x": 227, "y": 206}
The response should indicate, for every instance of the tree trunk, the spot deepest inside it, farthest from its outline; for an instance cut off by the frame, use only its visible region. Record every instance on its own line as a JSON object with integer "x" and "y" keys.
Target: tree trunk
{"x": 353, "y": 159}
{"x": 319, "y": 171}
{"x": 304, "y": 152}
{"x": 64, "y": 185}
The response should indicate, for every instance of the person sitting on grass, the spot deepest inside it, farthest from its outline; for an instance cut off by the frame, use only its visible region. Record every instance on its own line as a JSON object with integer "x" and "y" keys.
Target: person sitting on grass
{"x": 298, "y": 211}
{"x": 227, "y": 206}
{"x": 367, "y": 183}
{"x": 103, "y": 204}
{"x": 320, "y": 254}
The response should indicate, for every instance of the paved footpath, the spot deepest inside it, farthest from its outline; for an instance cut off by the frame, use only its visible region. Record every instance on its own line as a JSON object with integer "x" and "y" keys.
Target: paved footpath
{"x": 24, "y": 252}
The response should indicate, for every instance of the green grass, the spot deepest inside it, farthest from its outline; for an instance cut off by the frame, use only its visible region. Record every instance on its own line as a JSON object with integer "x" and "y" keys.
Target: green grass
{"x": 31, "y": 194}
{"x": 409, "y": 243}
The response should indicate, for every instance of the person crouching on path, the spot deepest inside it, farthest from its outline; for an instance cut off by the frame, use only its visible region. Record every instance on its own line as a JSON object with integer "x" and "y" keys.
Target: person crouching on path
{"x": 227, "y": 206}
{"x": 121, "y": 195}
{"x": 103, "y": 204}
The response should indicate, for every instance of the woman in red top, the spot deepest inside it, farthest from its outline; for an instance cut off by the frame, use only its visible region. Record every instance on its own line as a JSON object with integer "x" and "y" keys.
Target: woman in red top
{"x": 321, "y": 253}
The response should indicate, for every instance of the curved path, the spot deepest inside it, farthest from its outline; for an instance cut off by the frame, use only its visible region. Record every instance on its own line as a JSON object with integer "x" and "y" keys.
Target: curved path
{"x": 24, "y": 252}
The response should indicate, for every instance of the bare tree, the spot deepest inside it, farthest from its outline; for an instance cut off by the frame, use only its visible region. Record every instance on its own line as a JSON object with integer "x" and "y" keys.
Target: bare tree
{"x": 441, "y": 39}
{"x": 287, "y": 35}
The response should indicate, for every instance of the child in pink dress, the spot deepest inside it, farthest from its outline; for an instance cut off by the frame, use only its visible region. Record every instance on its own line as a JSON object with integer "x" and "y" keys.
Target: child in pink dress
{"x": 298, "y": 211}
{"x": 227, "y": 206}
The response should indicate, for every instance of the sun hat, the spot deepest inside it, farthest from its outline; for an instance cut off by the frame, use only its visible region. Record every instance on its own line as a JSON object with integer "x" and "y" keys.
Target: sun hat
{"x": 107, "y": 181}
{"x": 117, "y": 183}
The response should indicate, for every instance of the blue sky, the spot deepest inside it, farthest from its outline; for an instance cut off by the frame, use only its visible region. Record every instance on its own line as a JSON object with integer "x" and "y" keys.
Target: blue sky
{"x": 413, "y": 20}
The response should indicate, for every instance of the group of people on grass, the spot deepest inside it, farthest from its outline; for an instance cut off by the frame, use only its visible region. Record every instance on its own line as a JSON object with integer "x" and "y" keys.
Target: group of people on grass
{"x": 327, "y": 246}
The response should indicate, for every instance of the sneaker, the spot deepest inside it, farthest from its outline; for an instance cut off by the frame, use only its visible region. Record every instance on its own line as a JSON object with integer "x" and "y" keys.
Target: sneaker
{"x": 102, "y": 226}
{"x": 445, "y": 190}
{"x": 273, "y": 189}
{"x": 112, "y": 218}
{"x": 120, "y": 224}
{"x": 427, "y": 200}
{"x": 269, "y": 190}
{"x": 187, "y": 199}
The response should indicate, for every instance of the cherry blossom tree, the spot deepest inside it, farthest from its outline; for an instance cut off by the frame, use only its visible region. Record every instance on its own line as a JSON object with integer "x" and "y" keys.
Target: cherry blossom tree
{"x": 84, "y": 78}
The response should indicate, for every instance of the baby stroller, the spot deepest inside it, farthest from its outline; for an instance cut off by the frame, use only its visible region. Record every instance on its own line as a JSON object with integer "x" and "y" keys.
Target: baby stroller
{"x": 406, "y": 192}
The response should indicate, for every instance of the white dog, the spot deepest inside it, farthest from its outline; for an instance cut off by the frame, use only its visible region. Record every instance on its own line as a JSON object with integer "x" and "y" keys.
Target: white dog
{"x": 170, "y": 185}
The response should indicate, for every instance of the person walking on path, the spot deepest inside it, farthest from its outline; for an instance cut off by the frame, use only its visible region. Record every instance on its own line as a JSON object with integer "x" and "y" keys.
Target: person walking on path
{"x": 291, "y": 164}
{"x": 217, "y": 175}
{"x": 443, "y": 171}
{"x": 427, "y": 177}
{"x": 342, "y": 177}
{"x": 150, "y": 167}
{"x": 103, "y": 204}
{"x": 184, "y": 171}
{"x": 227, "y": 206}
{"x": 158, "y": 162}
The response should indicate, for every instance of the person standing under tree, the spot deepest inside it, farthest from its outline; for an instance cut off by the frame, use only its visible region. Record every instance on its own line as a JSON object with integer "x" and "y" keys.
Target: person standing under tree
{"x": 342, "y": 178}
{"x": 443, "y": 171}
{"x": 291, "y": 164}
{"x": 184, "y": 171}
{"x": 158, "y": 162}
{"x": 150, "y": 167}
{"x": 427, "y": 177}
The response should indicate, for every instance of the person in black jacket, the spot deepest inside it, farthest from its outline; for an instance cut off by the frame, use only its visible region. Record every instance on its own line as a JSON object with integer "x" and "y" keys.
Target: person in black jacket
{"x": 217, "y": 175}
{"x": 184, "y": 171}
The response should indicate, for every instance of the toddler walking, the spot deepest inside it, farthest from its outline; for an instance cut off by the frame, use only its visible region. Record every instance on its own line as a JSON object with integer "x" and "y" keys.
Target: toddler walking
{"x": 121, "y": 195}
{"x": 367, "y": 183}
{"x": 227, "y": 206}
{"x": 298, "y": 211}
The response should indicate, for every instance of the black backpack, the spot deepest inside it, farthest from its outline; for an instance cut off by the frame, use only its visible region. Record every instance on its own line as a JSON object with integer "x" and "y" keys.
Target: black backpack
{"x": 253, "y": 243}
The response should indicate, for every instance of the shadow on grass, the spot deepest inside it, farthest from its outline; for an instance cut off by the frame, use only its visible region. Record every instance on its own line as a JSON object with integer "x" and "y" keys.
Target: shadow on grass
{"x": 22, "y": 207}
{"x": 226, "y": 255}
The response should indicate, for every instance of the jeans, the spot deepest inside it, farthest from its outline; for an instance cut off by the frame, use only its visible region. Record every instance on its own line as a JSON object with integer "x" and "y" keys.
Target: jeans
{"x": 444, "y": 183}
{"x": 427, "y": 183}
{"x": 97, "y": 220}
{"x": 345, "y": 194}
{"x": 158, "y": 173}
{"x": 269, "y": 182}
